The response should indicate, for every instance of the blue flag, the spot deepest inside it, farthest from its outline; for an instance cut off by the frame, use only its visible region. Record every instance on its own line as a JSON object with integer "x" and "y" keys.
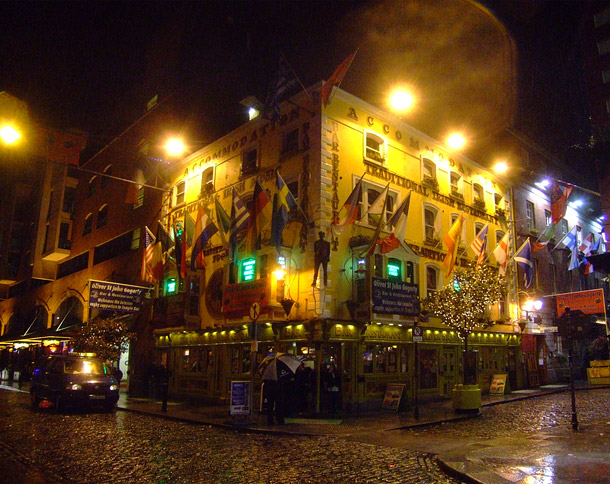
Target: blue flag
{"x": 523, "y": 257}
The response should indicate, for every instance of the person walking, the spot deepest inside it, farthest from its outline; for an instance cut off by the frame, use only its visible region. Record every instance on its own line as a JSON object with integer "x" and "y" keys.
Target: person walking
{"x": 332, "y": 386}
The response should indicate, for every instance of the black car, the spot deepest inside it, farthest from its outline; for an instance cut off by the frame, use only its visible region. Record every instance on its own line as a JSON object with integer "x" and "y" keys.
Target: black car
{"x": 73, "y": 380}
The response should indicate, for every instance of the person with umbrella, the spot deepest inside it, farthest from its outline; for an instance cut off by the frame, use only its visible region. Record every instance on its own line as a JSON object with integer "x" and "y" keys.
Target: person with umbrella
{"x": 275, "y": 372}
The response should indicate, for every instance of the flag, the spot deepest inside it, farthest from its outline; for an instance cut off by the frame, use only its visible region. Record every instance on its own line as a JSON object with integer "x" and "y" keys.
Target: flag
{"x": 523, "y": 257}
{"x": 544, "y": 238}
{"x": 204, "y": 229}
{"x": 59, "y": 146}
{"x": 568, "y": 240}
{"x": 336, "y": 78}
{"x": 501, "y": 253}
{"x": 282, "y": 82}
{"x": 479, "y": 245}
{"x": 586, "y": 245}
{"x": 574, "y": 261}
{"x": 597, "y": 244}
{"x": 380, "y": 223}
{"x": 560, "y": 192}
{"x": 239, "y": 220}
{"x": 283, "y": 202}
{"x": 164, "y": 239}
{"x": 399, "y": 222}
{"x": 146, "y": 271}
{"x": 352, "y": 209}
{"x": 260, "y": 215}
{"x": 374, "y": 213}
{"x": 224, "y": 222}
{"x": 189, "y": 229}
{"x": 452, "y": 241}
{"x": 180, "y": 246}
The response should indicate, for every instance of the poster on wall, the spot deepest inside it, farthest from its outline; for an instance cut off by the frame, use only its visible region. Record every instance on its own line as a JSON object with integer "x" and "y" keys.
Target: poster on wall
{"x": 392, "y": 397}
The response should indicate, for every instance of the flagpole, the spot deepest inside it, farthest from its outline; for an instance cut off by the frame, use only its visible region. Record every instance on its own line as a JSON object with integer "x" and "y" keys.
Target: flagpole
{"x": 298, "y": 79}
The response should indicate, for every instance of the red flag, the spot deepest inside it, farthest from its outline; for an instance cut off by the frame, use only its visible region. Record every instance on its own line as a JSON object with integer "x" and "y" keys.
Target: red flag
{"x": 352, "y": 209}
{"x": 260, "y": 215}
{"x": 336, "y": 78}
{"x": 59, "y": 146}
{"x": 560, "y": 192}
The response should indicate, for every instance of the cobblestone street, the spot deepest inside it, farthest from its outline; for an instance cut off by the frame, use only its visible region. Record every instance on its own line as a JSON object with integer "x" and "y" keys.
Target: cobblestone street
{"x": 122, "y": 447}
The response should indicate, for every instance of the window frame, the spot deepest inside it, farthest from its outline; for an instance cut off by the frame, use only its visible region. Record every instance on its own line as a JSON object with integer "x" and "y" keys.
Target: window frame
{"x": 378, "y": 156}
{"x": 246, "y": 169}
{"x": 102, "y": 217}
{"x": 530, "y": 215}
{"x": 437, "y": 222}
{"x": 437, "y": 279}
{"x": 88, "y": 224}
{"x": 180, "y": 193}
{"x": 365, "y": 204}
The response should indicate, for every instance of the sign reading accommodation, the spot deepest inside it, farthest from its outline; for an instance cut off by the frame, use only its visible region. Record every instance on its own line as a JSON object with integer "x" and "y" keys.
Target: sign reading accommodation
{"x": 395, "y": 297}
{"x": 111, "y": 296}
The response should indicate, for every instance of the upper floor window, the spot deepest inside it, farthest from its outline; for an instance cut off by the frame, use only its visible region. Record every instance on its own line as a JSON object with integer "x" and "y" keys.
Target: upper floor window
{"x": 432, "y": 279}
{"x": 102, "y": 216}
{"x": 375, "y": 147}
{"x": 428, "y": 169}
{"x": 135, "y": 239}
{"x": 207, "y": 180}
{"x": 530, "y": 214}
{"x": 578, "y": 236}
{"x": 370, "y": 194}
{"x": 92, "y": 187}
{"x": 140, "y": 201}
{"x": 431, "y": 222}
{"x": 69, "y": 194}
{"x": 456, "y": 182}
{"x": 290, "y": 141}
{"x": 249, "y": 161}
{"x": 499, "y": 235}
{"x": 180, "y": 192}
{"x": 88, "y": 224}
{"x": 498, "y": 200}
{"x": 564, "y": 226}
{"x": 477, "y": 192}
{"x": 547, "y": 218}
{"x": 106, "y": 179}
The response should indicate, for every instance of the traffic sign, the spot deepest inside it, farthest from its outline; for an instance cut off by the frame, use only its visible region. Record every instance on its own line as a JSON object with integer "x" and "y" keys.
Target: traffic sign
{"x": 255, "y": 311}
{"x": 417, "y": 334}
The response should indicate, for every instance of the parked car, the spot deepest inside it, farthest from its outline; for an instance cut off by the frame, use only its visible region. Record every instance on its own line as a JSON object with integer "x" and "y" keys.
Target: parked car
{"x": 74, "y": 380}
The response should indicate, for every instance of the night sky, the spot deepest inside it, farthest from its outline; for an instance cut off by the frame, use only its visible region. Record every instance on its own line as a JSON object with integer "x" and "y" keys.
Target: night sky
{"x": 93, "y": 65}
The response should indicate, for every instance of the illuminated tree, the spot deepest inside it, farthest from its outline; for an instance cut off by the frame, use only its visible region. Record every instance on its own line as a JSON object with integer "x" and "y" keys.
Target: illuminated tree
{"x": 463, "y": 303}
{"x": 106, "y": 337}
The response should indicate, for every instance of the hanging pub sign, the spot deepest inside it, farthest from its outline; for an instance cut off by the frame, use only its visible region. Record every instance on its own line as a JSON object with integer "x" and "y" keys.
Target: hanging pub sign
{"x": 111, "y": 296}
{"x": 395, "y": 297}
{"x": 589, "y": 302}
{"x": 237, "y": 299}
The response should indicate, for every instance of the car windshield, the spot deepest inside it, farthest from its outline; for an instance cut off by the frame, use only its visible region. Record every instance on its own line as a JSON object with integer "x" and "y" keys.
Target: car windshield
{"x": 89, "y": 367}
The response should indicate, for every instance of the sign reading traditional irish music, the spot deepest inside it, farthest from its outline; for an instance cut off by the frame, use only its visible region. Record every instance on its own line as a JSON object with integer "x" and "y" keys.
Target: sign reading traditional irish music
{"x": 395, "y": 297}
{"x": 237, "y": 299}
{"x": 111, "y": 296}
{"x": 589, "y": 302}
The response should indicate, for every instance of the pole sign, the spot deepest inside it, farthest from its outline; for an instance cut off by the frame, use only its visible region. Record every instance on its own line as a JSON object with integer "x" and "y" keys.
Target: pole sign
{"x": 111, "y": 296}
{"x": 418, "y": 335}
{"x": 240, "y": 398}
{"x": 395, "y": 297}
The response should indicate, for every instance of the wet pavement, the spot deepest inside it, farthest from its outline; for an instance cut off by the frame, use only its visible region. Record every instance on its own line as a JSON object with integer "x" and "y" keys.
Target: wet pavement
{"x": 525, "y": 437}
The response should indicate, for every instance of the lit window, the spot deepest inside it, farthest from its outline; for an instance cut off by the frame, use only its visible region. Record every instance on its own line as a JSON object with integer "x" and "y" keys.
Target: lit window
{"x": 180, "y": 192}
{"x": 374, "y": 147}
{"x": 207, "y": 180}
{"x": 477, "y": 192}
{"x": 430, "y": 223}
{"x": 432, "y": 282}
{"x": 456, "y": 183}
{"x": 428, "y": 169}
{"x": 530, "y": 214}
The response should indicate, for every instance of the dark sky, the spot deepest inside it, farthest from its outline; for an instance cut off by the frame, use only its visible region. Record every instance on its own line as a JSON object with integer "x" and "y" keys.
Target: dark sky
{"x": 93, "y": 65}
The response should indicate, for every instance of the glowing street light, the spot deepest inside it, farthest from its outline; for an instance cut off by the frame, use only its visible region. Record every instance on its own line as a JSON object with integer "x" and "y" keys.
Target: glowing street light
{"x": 9, "y": 134}
{"x": 456, "y": 141}
{"x": 401, "y": 100}
{"x": 500, "y": 167}
{"x": 175, "y": 147}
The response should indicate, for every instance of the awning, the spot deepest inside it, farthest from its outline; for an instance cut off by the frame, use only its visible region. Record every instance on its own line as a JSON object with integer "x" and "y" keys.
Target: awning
{"x": 601, "y": 262}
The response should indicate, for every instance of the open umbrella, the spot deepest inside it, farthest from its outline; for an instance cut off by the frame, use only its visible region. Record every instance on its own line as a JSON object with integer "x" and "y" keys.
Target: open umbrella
{"x": 278, "y": 367}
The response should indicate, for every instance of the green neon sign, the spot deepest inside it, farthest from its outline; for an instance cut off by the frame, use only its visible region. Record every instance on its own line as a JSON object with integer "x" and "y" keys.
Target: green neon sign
{"x": 248, "y": 270}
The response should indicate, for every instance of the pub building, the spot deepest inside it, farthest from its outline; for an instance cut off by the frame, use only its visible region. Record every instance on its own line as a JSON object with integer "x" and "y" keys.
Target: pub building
{"x": 325, "y": 293}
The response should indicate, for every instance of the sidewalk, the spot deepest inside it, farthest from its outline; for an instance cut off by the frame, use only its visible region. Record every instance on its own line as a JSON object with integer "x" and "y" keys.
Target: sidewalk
{"x": 560, "y": 456}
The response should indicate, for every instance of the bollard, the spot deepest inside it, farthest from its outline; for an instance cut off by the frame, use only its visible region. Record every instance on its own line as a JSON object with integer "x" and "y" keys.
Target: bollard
{"x": 164, "y": 389}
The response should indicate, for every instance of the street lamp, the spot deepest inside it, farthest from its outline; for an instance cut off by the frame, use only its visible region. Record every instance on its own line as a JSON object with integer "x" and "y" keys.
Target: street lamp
{"x": 401, "y": 100}
{"x": 175, "y": 146}
{"x": 9, "y": 134}
{"x": 456, "y": 141}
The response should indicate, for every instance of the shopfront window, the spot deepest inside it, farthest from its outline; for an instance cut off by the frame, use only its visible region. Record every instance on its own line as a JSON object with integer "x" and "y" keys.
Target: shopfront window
{"x": 385, "y": 359}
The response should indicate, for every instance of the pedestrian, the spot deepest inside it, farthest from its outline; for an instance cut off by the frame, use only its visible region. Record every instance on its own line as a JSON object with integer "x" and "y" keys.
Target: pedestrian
{"x": 332, "y": 384}
{"x": 275, "y": 401}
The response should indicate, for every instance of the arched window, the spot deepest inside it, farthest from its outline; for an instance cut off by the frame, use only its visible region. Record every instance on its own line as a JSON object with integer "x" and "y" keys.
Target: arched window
{"x": 37, "y": 320}
{"x": 106, "y": 179}
{"x": 69, "y": 313}
{"x": 477, "y": 192}
{"x": 180, "y": 193}
{"x": 432, "y": 279}
{"x": 207, "y": 180}
{"x": 456, "y": 183}
{"x": 92, "y": 188}
{"x": 102, "y": 216}
{"x": 431, "y": 223}
{"x": 374, "y": 147}
{"x": 88, "y": 225}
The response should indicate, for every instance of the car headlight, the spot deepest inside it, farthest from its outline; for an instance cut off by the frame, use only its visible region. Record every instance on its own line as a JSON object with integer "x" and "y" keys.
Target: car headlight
{"x": 74, "y": 387}
{"x": 114, "y": 388}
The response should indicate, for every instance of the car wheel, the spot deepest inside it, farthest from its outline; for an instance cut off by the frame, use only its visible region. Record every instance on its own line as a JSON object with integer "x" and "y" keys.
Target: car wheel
{"x": 34, "y": 400}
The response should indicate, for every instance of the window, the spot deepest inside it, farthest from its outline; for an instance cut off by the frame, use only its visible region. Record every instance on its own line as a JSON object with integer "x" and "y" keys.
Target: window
{"x": 249, "y": 161}
{"x": 140, "y": 201}
{"x": 135, "y": 239}
{"x": 207, "y": 180}
{"x": 374, "y": 147}
{"x": 603, "y": 47}
{"x": 499, "y": 235}
{"x": 64, "y": 235}
{"x": 106, "y": 179}
{"x": 564, "y": 226}
{"x": 370, "y": 194}
{"x": 68, "y": 205}
{"x": 430, "y": 223}
{"x": 454, "y": 217}
{"x": 456, "y": 183}
{"x": 102, "y": 216}
{"x": 385, "y": 359}
{"x": 88, "y": 224}
{"x": 428, "y": 169}
{"x": 410, "y": 272}
{"x": 497, "y": 200}
{"x": 180, "y": 192}
{"x": 477, "y": 192}
{"x": 92, "y": 188}
{"x": 547, "y": 218}
{"x": 530, "y": 215}
{"x": 478, "y": 226}
{"x": 432, "y": 280}
{"x": 290, "y": 141}
{"x": 578, "y": 236}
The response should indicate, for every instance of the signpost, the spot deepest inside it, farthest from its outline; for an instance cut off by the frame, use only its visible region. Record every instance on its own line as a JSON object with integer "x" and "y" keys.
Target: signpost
{"x": 418, "y": 337}
{"x": 255, "y": 312}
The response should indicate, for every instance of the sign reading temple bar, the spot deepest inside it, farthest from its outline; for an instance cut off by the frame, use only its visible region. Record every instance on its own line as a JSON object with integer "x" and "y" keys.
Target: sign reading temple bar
{"x": 395, "y": 297}
{"x": 111, "y": 296}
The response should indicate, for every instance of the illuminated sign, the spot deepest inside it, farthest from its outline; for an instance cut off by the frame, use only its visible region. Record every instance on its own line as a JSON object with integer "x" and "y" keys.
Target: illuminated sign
{"x": 248, "y": 270}
{"x": 393, "y": 271}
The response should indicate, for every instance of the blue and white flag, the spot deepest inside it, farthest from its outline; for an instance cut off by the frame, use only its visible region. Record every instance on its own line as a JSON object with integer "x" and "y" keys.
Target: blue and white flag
{"x": 523, "y": 257}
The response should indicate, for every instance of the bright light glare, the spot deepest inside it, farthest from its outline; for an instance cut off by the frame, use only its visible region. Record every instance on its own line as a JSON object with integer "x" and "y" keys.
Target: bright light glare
{"x": 543, "y": 183}
{"x": 175, "y": 147}
{"x": 279, "y": 274}
{"x": 501, "y": 167}
{"x": 456, "y": 141}
{"x": 401, "y": 100}
{"x": 9, "y": 134}
{"x": 576, "y": 203}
